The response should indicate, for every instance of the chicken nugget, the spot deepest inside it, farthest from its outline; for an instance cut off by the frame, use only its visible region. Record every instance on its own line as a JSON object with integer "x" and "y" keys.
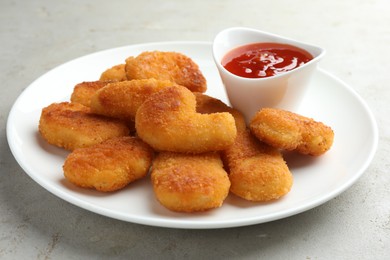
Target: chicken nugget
{"x": 290, "y": 131}
{"x": 72, "y": 125}
{"x": 168, "y": 121}
{"x": 206, "y": 105}
{"x": 172, "y": 66}
{"x": 189, "y": 183}
{"x": 257, "y": 172}
{"x": 83, "y": 92}
{"x": 110, "y": 165}
{"x": 122, "y": 99}
{"x": 115, "y": 73}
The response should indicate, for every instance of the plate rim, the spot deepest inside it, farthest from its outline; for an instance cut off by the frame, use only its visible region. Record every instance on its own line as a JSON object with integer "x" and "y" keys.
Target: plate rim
{"x": 170, "y": 223}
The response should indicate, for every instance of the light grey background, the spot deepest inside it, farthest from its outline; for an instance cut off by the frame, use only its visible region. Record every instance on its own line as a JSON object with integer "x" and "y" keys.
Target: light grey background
{"x": 36, "y": 36}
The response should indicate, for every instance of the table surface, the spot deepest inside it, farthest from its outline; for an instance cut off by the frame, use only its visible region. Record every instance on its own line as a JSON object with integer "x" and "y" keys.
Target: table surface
{"x": 37, "y": 36}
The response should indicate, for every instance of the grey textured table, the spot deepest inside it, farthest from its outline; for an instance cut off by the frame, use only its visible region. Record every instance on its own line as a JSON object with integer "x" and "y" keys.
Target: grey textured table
{"x": 36, "y": 36}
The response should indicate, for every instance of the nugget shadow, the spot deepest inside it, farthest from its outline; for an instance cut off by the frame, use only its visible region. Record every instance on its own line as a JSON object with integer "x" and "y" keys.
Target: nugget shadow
{"x": 49, "y": 148}
{"x": 295, "y": 160}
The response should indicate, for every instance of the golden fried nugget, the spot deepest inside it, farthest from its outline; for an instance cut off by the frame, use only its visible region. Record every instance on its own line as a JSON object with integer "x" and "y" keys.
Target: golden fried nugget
{"x": 290, "y": 131}
{"x": 115, "y": 73}
{"x": 122, "y": 99}
{"x": 257, "y": 172}
{"x": 206, "y": 105}
{"x": 172, "y": 66}
{"x": 110, "y": 165}
{"x": 83, "y": 92}
{"x": 72, "y": 125}
{"x": 168, "y": 121}
{"x": 189, "y": 183}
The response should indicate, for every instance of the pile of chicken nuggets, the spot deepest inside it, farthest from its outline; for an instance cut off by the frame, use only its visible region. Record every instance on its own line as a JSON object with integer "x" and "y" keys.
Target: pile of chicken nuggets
{"x": 150, "y": 115}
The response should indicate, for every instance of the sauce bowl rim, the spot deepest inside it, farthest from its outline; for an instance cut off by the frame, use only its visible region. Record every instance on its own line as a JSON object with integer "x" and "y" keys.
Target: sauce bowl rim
{"x": 280, "y": 39}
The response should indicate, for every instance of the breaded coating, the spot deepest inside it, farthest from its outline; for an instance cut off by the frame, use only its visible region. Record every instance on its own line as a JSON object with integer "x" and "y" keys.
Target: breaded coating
{"x": 168, "y": 121}
{"x": 122, "y": 99}
{"x": 115, "y": 73}
{"x": 110, "y": 165}
{"x": 189, "y": 183}
{"x": 172, "y": 66}
{"x": 83, "y": 92}
{"x": 72, "y": 125}
{"x": 257, "y": 172}
{"x": 290, "y": 131}
{"x": 207, "y": 105}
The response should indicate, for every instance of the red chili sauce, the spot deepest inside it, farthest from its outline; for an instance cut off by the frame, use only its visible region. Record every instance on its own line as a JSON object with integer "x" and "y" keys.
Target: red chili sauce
{"x": 260, "y": 60}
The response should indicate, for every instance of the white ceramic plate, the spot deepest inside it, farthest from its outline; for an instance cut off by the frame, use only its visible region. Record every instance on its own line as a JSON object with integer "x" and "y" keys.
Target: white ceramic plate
{"x": 316, "y": 180}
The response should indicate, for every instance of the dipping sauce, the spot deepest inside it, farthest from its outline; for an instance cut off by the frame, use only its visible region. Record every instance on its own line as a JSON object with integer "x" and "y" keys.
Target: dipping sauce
{"x": 260, "y": 60}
